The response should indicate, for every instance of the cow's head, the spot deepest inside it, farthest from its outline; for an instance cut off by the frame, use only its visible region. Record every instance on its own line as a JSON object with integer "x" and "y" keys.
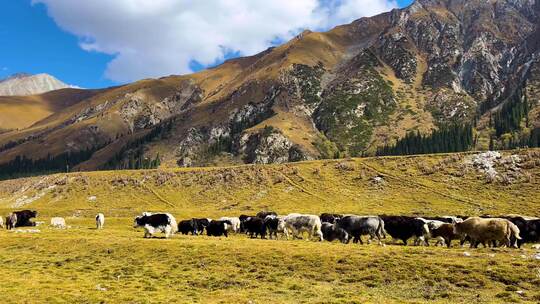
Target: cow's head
{"x": 140, "y": 221}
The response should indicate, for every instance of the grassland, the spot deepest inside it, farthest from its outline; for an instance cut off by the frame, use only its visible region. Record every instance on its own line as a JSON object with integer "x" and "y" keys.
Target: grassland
{"x": 116, "y": 265}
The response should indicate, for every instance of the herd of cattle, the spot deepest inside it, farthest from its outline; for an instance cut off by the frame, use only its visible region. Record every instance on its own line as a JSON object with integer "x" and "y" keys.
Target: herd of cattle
{"x": 508, "y": 230}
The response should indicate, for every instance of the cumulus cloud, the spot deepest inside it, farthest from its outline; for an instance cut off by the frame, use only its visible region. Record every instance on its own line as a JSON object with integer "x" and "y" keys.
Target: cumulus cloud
{"x": 162, "y": 37}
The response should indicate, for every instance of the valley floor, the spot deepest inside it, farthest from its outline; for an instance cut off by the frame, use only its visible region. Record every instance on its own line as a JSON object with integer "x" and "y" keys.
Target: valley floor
{"x": 116, "y": 265}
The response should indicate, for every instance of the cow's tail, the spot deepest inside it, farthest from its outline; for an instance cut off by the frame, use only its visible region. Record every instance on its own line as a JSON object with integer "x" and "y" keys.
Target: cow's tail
{"x": 381, "y": 233}
{"x": 514, "y": 230}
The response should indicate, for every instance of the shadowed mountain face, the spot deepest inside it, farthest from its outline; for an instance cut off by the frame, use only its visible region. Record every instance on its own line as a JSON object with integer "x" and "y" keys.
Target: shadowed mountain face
{"x": 348, "y": 91}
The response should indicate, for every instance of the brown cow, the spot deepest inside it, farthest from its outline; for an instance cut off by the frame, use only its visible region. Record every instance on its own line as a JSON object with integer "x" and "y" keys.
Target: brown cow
{"x": 487, "y": 230}
{"x": 446, "y": 232}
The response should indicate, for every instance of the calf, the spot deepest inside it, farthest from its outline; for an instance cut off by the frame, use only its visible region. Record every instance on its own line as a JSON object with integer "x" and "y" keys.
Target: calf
{"x": 331, "y": 232}
{"x": 300, "y": 223}
{"x": 356, "y": 226}
{"x": 445, "y": 232}
{"x": 100, "y": 220}
{"x": 11, "y": 221}
{"x": 24, "y": 216}
{"x": 331, "y": 218}
{"x": 217, "y": 228}
{"x": 255, "y": 226}
{"x": 58, "y": 222}
{"x": 156, "y": 222}
{"x": 188, "y": 226}
{"x": 405, "y": 227}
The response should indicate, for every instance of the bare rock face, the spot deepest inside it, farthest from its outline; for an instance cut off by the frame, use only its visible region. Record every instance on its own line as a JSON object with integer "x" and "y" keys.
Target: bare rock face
{"x": 26, "y": 84}
{"x": 269, "y": 146}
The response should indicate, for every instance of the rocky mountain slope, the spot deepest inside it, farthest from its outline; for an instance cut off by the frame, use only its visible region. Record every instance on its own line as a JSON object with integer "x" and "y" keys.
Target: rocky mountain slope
{"x": 345, "y": 92}
{"x": 25, "y": 84}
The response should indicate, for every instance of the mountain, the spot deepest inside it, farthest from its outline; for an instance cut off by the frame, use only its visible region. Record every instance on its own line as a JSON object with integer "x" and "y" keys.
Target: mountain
{"x": 23, "y": 84}
{"x": 437, "y": 76}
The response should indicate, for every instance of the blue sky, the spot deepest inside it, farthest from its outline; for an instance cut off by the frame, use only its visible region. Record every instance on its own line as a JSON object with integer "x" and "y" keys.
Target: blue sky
{"x": 33, "y": 42}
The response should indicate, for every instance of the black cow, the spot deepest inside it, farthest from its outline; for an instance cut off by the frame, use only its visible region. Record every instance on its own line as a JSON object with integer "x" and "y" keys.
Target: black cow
{"x": 24, "y": 216}
{"x": 529, "y": 230}
{"x": 188, "y": 226}
{"x": 201, "y": 224}
{"x": 217, "y": 228}
{"x": 264, "y": 214}
{"x": 255, "y": 226}
{"x": 331, "y": 232}
{"x": 405, "y": 227}
{"x": 331, "y": 218}
{"x": 243, "y": 218}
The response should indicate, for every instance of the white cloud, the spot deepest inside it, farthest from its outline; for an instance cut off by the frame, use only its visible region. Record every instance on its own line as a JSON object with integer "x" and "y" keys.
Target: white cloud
{"x": 153, "y": 38}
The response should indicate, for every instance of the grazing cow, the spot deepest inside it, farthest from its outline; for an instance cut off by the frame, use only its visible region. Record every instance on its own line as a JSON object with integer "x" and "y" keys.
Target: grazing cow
{"x": 444, "y": 232}
{"x": 217, "y": 228}
{"x": 356, "y": 226}
{"x": 264, "y": 214}
{"x": 188, "y": 226}
{"x": 156, "y": 222}
{"x": 100, "y": 220}
{"x": 11, "y": 221}
{"x": 331, "y": 218}
{"x": 405, "y": 227}
{"x": 58, "y": 222}
{"x": 201, "y": 224}
{"x": 255, "y": 226}
{"x": 300, "y": 223}
{"x": 235, "y": 224}
{"x": 1, "y": 222}
{"x": 488, "y": 230}
{"x": 529, "y": 229}
{"x": 24, "y": 216}
{"x": 274, "y": 225}
{"x": 332, "y": 232}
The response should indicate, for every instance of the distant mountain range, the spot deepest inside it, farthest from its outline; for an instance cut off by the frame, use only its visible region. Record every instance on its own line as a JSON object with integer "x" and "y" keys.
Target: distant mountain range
{"x": 23, "y": 84}
{"x": 439, "y": 75}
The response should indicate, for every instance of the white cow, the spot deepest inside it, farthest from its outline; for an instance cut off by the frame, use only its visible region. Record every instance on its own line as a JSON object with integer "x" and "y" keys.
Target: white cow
{"x": 100, "y": 220}
{"x": 58, "y": 222}
{"x": 1, "y": 222}
{"x": 235, "y": 227}
{"x": 300, "y": 223}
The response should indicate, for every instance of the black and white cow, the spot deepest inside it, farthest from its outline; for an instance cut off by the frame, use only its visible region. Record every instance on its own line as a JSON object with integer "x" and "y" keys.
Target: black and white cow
{"x": 242, "y": 219}
{"x": 356, "y": 226}
{"x": 217, "y": 228}
{"x": 300, "y": 223}
{"x": 156, "y": 222}
{"x": 24, "y": 216}
{"x": 255, "y": 226}
{"x": 187, "y": 226}
{"x": 405, "y": 227}
{"x": 331, "y": 232}
{"x": 274, "y": 225}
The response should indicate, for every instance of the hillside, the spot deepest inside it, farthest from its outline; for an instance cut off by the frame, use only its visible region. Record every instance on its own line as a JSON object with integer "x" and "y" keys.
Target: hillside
{"x": 356, "y": 90}
{"x": 432, "y": 184}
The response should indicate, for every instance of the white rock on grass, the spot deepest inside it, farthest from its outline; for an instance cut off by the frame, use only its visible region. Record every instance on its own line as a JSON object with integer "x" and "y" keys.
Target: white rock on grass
{"x": 467, "y": 254}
